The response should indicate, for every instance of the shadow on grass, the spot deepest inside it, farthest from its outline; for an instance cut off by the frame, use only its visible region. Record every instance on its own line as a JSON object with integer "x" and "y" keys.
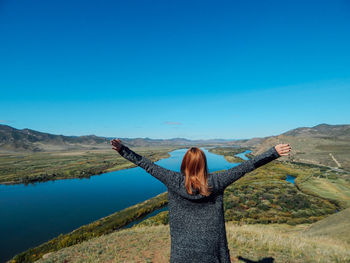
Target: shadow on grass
{"x": 264, "y": 260}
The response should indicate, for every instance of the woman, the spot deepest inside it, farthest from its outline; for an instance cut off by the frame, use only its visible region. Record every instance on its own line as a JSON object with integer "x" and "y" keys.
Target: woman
{"x": 195, "y": 201}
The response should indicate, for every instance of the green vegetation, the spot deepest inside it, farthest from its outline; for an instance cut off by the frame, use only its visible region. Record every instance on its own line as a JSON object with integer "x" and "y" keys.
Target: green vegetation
{"x": 160, "y": 219}
{"x": 100, "y": 227}
{"x": 38, "y": 167}
{"x": 263, "y": 196}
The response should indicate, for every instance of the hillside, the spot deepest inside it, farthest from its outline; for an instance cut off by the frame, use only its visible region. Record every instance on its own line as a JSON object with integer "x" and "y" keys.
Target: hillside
{"x": 27, "y": 140}
{"x": 327, "y": 145}
{"x": 326, "y": 131}
{"x": 280, "y": 243}
{"x": 336, "y": 226}
{"x": 324, "y": 241}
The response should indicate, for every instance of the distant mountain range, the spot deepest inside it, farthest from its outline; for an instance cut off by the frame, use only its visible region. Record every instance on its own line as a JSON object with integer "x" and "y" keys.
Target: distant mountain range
{"x": 27, "y": 140}
{"x": 325, "y": 131}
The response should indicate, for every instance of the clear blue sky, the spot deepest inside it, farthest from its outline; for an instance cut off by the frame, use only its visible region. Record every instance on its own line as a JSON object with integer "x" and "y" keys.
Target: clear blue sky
{"x": 165, "y": 69}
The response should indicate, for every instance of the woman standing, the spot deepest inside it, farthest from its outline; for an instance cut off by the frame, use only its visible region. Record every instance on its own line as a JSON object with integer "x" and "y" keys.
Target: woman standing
{"x": 195, "y": 201}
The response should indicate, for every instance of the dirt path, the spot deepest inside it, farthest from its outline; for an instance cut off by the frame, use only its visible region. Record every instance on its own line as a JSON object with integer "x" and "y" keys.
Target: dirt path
{"x": 335, "y": 160}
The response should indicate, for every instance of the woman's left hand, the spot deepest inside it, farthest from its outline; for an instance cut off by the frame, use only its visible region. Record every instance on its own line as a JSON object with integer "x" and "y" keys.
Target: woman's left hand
{"x": 117, "y": 144}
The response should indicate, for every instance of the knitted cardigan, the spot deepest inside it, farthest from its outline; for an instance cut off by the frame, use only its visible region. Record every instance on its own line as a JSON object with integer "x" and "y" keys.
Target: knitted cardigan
{"x": 197, "y": 225}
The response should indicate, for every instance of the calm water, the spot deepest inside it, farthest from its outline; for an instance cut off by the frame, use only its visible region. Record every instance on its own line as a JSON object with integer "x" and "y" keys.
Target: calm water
{"x": 242, "y": 155}
{"x": 33, "y": 214}
{"x": 290, "y": 179}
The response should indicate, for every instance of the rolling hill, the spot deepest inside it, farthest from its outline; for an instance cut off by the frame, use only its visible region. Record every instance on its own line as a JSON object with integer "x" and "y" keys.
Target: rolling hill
{"x": 27, "y": 140}
{"x": 323, "y": 144}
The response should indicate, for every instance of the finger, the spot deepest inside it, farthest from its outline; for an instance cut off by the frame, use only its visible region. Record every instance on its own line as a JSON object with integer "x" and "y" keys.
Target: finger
{"x": 285, "y": 145}
{"x": 286, "y": 148}
{"x": 285, "y": 151}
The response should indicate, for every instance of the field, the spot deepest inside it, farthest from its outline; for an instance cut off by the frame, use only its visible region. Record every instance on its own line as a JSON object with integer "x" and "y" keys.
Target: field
{"x": 332, "y": 186}
{"x": 35, "y": 167}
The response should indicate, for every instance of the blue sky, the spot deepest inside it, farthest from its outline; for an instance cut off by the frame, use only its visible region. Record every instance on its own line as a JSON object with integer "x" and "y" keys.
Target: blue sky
{"x": 165, "y": 69}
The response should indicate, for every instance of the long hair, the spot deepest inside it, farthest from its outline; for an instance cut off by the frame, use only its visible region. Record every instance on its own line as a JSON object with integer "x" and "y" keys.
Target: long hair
{"x": 194, "y": 167}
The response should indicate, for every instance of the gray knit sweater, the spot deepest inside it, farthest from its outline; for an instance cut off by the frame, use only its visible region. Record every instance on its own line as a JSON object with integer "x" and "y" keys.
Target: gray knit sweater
{"x": 197, "y": 225}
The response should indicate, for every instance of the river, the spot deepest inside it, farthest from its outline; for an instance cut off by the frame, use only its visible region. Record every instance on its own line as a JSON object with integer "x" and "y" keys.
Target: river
{"x": 33, "y": 214}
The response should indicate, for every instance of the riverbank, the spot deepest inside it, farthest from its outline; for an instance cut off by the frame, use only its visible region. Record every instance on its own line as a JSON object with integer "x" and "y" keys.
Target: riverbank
{"x": 229, "y": 153}
{"x": 50, "y": 166}
{"x": 97, "y": 228}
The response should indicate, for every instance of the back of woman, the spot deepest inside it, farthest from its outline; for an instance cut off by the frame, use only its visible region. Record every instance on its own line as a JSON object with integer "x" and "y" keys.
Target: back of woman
{"x": 195, "y": 201}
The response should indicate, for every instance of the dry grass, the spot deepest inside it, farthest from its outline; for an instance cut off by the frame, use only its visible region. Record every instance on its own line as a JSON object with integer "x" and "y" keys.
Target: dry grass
{"x": 152, "y": 244}
{"x": 284, "y": 244}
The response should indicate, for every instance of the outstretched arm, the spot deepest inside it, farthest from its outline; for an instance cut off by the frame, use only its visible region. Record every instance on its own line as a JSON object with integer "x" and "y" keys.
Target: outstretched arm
{"x": 168, "y": 177}
{"x": 223, "y": 179}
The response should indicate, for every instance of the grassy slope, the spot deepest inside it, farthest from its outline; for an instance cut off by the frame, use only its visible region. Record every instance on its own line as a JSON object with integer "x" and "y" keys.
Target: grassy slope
{"x": 312, "y": 150}
{"x": 332, "y": 186}
{"x": 152, "y": 244}
{"x": 336, "y": 226}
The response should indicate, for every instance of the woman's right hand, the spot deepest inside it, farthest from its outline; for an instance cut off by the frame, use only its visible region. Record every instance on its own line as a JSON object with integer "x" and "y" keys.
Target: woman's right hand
{"x": 283, "y": 149}
{"x": 117, "y": 144}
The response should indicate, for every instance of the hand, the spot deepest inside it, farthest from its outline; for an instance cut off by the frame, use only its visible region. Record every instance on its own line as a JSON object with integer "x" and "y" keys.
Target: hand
{"x": 117, "y": 144}
{"x": 283, "y": 149}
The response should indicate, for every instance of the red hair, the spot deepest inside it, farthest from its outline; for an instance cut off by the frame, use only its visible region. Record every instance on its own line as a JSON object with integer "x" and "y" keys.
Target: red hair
{"x": 194, "y": 167}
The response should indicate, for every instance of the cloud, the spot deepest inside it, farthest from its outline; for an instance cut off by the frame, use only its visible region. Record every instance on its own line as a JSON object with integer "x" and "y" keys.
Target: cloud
{"x": 5, "y": 121}
{"x": 172, "y": 123}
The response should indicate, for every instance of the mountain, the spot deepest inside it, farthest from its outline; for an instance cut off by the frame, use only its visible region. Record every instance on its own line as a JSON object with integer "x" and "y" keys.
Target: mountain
{"x": 340, "y": 132}
{"x": 322, "y": 144}
{"x": 27, "y": 140}
{"x": 12, "y": 139}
